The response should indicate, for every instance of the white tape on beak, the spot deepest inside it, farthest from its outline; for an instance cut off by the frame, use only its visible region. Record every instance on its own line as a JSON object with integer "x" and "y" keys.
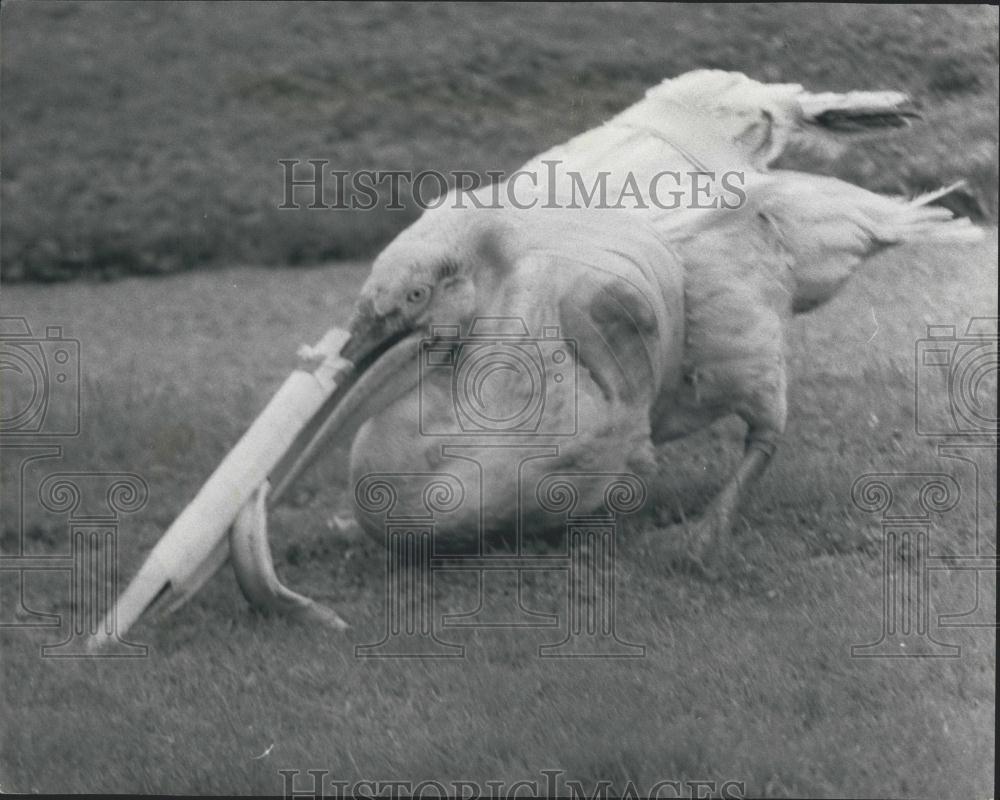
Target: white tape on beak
{"x": 195, "y": 545}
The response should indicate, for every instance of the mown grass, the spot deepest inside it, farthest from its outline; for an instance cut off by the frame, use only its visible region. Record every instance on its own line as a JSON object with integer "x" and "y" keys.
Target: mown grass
{"x": 144, "y": 137}
{"x": 747, "y": 679}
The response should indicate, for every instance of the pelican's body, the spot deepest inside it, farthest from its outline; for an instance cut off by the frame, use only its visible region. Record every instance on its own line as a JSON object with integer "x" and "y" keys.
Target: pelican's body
{"x": 603, "y": 316}
{"x": 678, "y": 312}
{"x": 621, "y": 327}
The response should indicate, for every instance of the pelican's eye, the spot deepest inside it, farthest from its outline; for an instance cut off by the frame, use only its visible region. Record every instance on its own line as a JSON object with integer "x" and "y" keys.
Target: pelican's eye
{"x": 418, "y": 294}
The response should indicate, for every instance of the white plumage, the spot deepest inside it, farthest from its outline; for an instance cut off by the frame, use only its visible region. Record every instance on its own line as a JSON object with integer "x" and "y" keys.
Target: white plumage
{"x": 677, "y": 314}
{"x": 788, "y": 246}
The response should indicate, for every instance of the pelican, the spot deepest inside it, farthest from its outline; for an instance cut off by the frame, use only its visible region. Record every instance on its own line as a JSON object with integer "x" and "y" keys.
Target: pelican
{"x": 614, "y": 329}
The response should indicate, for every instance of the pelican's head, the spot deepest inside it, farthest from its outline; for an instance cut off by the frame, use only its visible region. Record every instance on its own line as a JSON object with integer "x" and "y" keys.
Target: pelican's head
{"x": 437, "y": 272}
{"x": 442, "y": 270}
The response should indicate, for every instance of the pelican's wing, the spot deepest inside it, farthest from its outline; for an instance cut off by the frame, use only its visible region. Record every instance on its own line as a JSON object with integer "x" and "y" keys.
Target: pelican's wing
{"x": 716, "y": 120}
{"x": 761, "y": 119}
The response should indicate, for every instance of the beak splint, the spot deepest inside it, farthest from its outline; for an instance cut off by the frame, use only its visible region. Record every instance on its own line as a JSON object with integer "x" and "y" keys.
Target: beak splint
{"x": 197, "y": 543}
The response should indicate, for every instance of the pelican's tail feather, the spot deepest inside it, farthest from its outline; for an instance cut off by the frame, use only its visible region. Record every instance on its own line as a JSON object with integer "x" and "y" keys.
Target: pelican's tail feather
{"x": 856, "y": 112}
{"x": 918, "y": 220}
{"x": 822, "y": 229}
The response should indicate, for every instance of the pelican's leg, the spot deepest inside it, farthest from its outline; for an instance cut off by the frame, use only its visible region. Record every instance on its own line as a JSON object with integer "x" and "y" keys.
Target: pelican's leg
{"x": 733, "y": 364}
{"x": 705, "y": 533}
{"x": 762, "y": 402}
{"x": 763, "y": 406}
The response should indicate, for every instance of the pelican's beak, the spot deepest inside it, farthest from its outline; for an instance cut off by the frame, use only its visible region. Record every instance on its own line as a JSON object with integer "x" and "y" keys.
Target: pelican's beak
{"x": 359, "y": 375}
{"x": 385, "y": 357}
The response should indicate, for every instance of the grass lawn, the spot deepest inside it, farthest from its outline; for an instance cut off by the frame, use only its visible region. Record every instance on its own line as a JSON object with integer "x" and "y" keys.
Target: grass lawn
{"x": 748, "y": 679}
{"x": 144, "y": 137}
